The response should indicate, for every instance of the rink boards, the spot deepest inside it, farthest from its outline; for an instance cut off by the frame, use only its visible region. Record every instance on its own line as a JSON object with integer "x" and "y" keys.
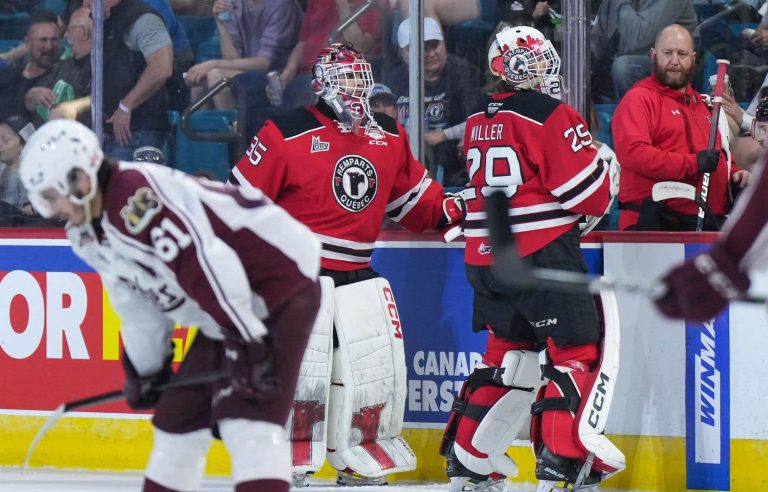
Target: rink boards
{"x": 681, "y": 415}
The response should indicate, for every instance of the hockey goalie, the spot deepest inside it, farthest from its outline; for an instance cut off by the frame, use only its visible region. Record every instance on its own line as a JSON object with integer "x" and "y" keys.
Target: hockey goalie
{"x": 551, "y": 360}
{"x": 340, "y": 170}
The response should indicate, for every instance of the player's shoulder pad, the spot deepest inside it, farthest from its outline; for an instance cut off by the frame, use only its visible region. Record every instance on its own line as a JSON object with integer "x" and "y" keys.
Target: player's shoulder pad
{"x": 530, "y": 104}
{"x": 387, "y": 123}
{"x": 296, "y": 122}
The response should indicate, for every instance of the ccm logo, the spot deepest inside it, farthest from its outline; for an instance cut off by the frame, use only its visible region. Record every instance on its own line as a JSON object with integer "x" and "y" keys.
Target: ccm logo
{"x": 394, "y": 317}
{"x": 599, "y": 400}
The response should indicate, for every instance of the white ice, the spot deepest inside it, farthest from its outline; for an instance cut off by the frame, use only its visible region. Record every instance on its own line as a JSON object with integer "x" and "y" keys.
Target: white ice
{"x": 43, "y": 480}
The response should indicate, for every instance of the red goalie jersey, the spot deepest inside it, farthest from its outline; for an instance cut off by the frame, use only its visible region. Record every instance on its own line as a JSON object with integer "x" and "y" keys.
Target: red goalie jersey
{"x": 340, "y": 184}
{"x": 539, "y": 151}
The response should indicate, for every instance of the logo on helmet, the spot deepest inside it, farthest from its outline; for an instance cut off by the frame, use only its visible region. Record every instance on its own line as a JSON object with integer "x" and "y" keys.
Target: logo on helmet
{"x": 516, "y": 64}
{"x": 354, "y": 182}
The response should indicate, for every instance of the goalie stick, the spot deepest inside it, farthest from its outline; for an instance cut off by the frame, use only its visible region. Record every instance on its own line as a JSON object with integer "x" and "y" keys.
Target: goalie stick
{"x": 177, "y": 382}
{"x": 514, "y": 271}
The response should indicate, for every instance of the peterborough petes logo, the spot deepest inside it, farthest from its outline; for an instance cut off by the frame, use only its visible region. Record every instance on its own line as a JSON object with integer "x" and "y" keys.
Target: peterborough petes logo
{"x": 354, "y": 182}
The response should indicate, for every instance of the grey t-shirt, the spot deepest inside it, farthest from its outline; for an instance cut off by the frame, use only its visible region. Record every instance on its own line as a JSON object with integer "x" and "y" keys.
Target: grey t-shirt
{"x": 148, "y": 34}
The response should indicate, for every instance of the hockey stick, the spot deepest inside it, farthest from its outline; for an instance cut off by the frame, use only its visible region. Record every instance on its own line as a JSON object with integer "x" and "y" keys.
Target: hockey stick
{"x": 514, "y": 271}
{"x": 713, "y": 128}
{"x": 667, "y": 190}
{"x": 177, "y": 382}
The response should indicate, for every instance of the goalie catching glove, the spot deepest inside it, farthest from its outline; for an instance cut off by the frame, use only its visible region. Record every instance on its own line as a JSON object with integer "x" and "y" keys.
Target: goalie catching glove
{"x": 141, "y": 392}
{"x": 700, "y": 289}
{"x": 251, "y": 367}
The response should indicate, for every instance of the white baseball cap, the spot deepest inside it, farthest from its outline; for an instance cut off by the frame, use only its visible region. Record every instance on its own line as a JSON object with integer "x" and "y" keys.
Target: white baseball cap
{"x": 431, "y": 31}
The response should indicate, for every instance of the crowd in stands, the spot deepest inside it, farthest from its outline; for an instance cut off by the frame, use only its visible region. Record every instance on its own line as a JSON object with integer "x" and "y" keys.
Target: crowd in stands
{"x": 161, "y": 56}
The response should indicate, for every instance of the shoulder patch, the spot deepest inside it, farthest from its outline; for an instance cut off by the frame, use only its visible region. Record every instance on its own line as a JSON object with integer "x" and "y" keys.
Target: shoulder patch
{"x": 296, "y": 122}
{"x": 139, "y": 210}
{"x": 387, "y": 123}
{"x": 531, "y": 104}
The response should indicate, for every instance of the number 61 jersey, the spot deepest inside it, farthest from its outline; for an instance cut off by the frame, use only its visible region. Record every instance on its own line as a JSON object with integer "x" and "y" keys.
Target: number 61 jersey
{"x": 539, "y": 151}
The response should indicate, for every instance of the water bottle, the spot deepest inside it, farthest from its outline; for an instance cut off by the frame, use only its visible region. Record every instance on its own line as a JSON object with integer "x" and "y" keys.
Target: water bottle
{"x": 226, "y": 15}
{"x": 274, "y": 89}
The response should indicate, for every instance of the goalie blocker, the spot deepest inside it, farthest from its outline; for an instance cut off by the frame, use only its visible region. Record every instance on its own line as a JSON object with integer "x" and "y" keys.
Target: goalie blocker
{"x": 568, "y": 391}
{"x": 350, "y": 399}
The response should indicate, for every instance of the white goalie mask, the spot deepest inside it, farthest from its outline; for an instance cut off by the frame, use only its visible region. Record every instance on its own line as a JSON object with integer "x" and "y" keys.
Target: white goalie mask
{"x": 50, "y": 158}
{"x": 343, "y": 78}
{"x": 525, "y": 59}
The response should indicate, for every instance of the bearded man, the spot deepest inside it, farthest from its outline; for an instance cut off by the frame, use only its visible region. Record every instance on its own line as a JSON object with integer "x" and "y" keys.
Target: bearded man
{"x": 661, "y": 131}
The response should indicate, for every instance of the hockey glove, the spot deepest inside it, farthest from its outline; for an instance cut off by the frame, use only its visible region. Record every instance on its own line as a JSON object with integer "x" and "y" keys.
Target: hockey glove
{"x": 141, "y": 392}
{"x": 699, "y": 289}
{"x": 251, "y": 367}
{"x": 707, "y": 160}
{"x": 454, "y": 212}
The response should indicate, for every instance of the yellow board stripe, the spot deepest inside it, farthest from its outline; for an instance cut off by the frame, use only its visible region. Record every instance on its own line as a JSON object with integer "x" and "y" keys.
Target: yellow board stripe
{"x": 655, "y": 463}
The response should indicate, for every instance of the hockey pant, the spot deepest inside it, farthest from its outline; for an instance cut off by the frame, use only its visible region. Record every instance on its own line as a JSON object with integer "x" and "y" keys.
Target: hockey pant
{"x": 355, "y": 410}
{"x": 493, "y": 410}
{"x": 571, "y": 410}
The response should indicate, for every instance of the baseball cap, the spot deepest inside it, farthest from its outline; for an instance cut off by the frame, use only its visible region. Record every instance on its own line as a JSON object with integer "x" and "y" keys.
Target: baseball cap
{"x": 381, "y": 94}
{"x": 431, "y": 31}
{"x": 21, "y": 126}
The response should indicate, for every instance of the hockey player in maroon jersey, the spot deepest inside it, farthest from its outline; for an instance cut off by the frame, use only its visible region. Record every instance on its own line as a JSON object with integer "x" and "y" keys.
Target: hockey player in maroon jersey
{"x": 171, "y": 248}
{"x": 340, "y": 171}
{"x": 701, "y": 288}
{"x": 545, "y": 355}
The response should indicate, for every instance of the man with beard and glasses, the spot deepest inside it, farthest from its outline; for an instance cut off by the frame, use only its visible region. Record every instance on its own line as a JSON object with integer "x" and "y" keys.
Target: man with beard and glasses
{"x": 42, "y": 42}
{"x": 661, "y": 130}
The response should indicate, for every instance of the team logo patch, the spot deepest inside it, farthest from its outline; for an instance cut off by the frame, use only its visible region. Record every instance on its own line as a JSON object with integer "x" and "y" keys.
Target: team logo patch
{"x": 516, "y": 64}
{"x": 318, "y": 145}
{"x": 140, "y": 209}
{"x": 354, "y": 182}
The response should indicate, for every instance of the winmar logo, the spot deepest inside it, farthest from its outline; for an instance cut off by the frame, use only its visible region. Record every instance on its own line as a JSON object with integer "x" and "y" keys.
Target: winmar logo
{"x": 708, "y": 389}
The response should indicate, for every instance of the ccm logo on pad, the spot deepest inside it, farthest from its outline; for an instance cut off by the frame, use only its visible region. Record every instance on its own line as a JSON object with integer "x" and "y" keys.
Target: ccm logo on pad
{"x": 394, "y": 317}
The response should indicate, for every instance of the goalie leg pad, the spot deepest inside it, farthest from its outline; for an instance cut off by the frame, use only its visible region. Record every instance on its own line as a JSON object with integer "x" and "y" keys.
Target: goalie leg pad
{"x": 572, "y": 409}
{"x": 306, "y": 424}
{"x": 368, "y": 383}
{"x": 491, "y": 411}
{"x": 177, "y": 461}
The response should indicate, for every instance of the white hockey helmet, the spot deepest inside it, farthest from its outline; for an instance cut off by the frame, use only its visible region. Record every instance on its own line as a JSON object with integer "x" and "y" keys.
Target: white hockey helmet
{"x": 343, "y": 78}
{"x": 525, "y": 59}
{"x": 51, "y": 156}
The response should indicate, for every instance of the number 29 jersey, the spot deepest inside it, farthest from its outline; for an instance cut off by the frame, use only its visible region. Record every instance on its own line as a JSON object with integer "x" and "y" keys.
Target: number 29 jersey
{"x": 539, "y": 151}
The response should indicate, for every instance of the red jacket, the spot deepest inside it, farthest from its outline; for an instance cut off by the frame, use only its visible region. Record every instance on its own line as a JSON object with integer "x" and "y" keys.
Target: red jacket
{"x": 657, "y": 132}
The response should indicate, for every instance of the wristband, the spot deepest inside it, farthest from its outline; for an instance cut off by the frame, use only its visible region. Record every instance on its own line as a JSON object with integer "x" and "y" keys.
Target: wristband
{"x": 123, "y": 107}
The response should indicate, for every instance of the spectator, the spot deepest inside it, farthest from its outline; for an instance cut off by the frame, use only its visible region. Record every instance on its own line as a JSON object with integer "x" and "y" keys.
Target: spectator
{"x": 447, "y": 12}
{"x": 661, "y": 132}
{"x": 451, "y": 91}
{"x": 321, "y": 17}
{"x": 14, "y": 205}
{"x": 138, "y": 60}
{"x": 42, "y": 42}
{"x": 178, "y": 93}
{"x": 68, "y": 80}
{"x": 383, "y": 101}
{"x": 258, "y": 38}
{"x": 622, "y": 35}
{"x": 192, "y": 7}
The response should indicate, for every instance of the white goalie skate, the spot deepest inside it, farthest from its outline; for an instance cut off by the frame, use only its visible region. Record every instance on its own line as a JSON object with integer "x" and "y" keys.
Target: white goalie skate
{"x": 464, "y": 484}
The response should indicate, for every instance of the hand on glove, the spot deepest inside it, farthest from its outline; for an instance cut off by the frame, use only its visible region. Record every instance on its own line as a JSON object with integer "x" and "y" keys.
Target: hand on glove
{"x": 707, "y": 160}
{"x": 141, "y": 392}
{"x": 700, "y": 289}
{"x": 251, "y": 367}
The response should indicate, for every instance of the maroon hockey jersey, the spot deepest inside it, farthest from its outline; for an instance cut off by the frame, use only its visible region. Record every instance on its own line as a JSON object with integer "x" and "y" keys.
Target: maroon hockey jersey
{"x": 340, "y": 184}
{"x": 539, "y": 151}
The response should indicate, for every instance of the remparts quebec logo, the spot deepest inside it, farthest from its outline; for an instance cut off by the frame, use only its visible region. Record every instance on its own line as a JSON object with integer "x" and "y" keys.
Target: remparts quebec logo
{"x": 354, "y": 182}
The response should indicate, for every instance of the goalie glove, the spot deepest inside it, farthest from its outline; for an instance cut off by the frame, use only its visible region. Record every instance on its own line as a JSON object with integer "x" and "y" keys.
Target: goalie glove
{"x": 141, "y": 392}
{"x": 700, "y": 289}
{"x": 251, "y": 367}
{"x": 454, "y": 212}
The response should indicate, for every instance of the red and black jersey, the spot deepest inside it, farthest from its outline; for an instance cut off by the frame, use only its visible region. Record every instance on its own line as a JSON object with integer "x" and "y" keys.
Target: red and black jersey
{"x": 340, "y": 184}
{"x": 539, "y": 151}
